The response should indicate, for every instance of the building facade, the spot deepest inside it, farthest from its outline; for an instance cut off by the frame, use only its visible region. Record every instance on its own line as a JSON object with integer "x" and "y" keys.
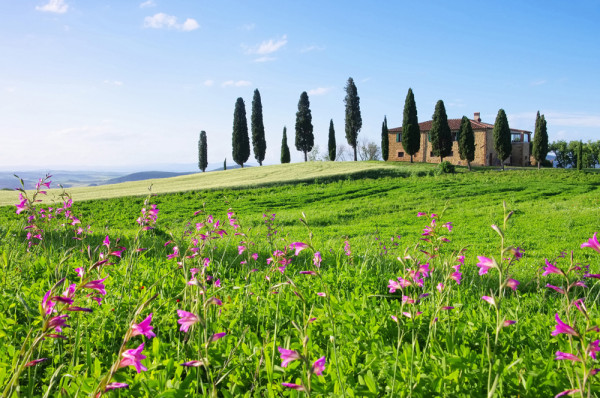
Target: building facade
{"x": 485, "y": 154}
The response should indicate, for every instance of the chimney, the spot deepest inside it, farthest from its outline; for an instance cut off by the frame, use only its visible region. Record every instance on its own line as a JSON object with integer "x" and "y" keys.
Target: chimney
{"x": 476, "y": 117}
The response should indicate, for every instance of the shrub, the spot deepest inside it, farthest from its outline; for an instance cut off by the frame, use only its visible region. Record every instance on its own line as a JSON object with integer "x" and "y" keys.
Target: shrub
{"x": 445, "y": 168}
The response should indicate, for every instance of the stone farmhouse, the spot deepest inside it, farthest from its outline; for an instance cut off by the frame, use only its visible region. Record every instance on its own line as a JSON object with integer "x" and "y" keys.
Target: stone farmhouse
{"x": 485, "y": 154}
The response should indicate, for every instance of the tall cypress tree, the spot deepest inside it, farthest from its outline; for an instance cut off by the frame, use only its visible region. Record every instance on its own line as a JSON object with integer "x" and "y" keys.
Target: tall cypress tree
{"x": 540, "y": 140}
{"x": 202, "y": 152}
{"x": 441, "y": 136}
{"x": 285, "y": 149}
{"x": 385, "y": 139}
{"x": 258, "y": 129}
{"x": 331, "y": 145}
{"x": 502, "y": 141}
{"x": 353, "y": 118}
{"x": 580, "y": 156}
{"x": 240, "y": 140}
{"x": 411, "y": 132}
{"x": 466, "y": 141}
{"x": 305, "y": 139}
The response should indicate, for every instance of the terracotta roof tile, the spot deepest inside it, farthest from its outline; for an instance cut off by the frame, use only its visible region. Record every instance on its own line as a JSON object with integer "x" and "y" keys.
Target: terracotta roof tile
{"x": 455, "y": 125}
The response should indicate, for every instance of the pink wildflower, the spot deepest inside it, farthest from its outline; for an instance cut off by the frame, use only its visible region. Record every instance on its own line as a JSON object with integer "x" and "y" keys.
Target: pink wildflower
{"x": 293, "y": 386}
{"x": 558, "y": 289}
{"x": 551, "y": 269}
{"x": 287, "y": 356}
{"x": 508, "y": 322}
{"x": 35, "y": 362}
{"x": 565, "y": 355}
{"x": 143, "y": 328}
{"x": 489, "y": 299}
{"x": 298, "y": 246}
{"x": 512, "y": 283}
{"x": 319, "y": 366}
{"x": 592, "y": 243}
{"x": 562, "y": 327}
{"x": 317, "y": 259}
{"x": 113, "y": 386}
{"x": 217, "y": 336}
{"x": 134, "y": 358}
{"x": 96, "y": 285}
{"x": 484, "y": 264}
{"x": 186, "y": 319}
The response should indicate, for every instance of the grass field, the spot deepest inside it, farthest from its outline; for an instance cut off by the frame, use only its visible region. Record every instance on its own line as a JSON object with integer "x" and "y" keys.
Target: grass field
{"x": 421, "y": 340}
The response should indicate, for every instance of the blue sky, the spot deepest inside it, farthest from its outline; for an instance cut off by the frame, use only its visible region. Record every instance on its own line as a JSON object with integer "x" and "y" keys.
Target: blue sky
{"x": 130, "y": 84}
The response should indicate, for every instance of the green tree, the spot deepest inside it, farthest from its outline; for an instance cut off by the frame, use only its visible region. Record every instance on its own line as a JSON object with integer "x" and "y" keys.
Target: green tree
{"x": 240, "y": 139}
{"x": 540, "y": 140}
{"x": 305, "y": 139}
{"x": 561, "y": 153}
{"x": 258, "y": 129}
{"x": 202, "y": 152}
{"x": 285, "y": 150}
{"x": 353, "y": 118}
{"x": 225, "y": 164}
{"x": 331, "y": 145}
{"x": 594, "y": 147}
{"x": 466, "y": 141}
{"x": 579, "y": 156}
{"x": 411, "y": 132}
{"x": 441, "y": 136}
{"x": 385, "y": 139}
{"x": 502, "y": 139}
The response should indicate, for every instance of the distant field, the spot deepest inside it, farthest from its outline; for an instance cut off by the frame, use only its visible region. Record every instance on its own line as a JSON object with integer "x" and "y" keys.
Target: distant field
{"x": 236, "y": 178}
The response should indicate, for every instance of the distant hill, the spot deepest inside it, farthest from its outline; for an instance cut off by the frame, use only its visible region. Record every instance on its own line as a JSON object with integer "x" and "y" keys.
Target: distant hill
{"x": 144, "y": 175}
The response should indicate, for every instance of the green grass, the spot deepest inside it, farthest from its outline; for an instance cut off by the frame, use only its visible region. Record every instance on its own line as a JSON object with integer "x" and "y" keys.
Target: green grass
{"x": 554, "y": 211}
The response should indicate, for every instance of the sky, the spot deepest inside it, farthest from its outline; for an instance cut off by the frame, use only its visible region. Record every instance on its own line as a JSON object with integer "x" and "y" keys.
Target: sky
{"x": 129, "y": 85}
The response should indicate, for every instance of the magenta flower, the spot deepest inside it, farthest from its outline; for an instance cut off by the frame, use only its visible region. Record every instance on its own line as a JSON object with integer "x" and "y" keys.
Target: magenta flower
{"x": 317, "y": 259}
{"x": 241, "y": 249}
{"x": 456, "y": 276}
{"x": 512, "y": 283}
{"x": 449, "y": 226}
{"x": 308, "y": 272}
{"x": 175, "y": 253}
{"x": 489, "y": 299}
{"x": 58, "y": 322}
{"x": 106, "y": 242}
{"x": 214, "y": 300}
{"x": 421, "y": 214}
{"x": 508, "y": 322}
{"x": 143, "y": 328}
{"x": 35, "y": 362}
{"x": 592, "y": 243}
{"x": 298, "y": 246}
{"x": 321, "y": 294}
{"x": 47, "y": 303}
{"x": 447, "y": 308}
{"x": 193, "y": 364}
{"x": 347, "y": 248}
{"x": 551, "y": 269}
{"x": 319, "y": 366}
{"x": 287, "y": 356}
{"x": 113, "y": 386}
{"x": 566, "y": 392}
{"x": 255, "y": 256}
{"x": 79, "y": 309}
{"x": 484, "y": 264}
{"x": 567, "y": 356}
{"x": 580, "y": 306}
{"x": 293, "y": 386}
{"x": 97, "y": 285}
{"x": 395, "y": 318}
{"x": 217, "y": 336}
{"x": 80, "y": 271}
{"x": 562, "y": 327}
{"x": 186, "y": 319}
{"x": 134, "y": 357}
{"x": 558, "y": 289}
{"x": 440, "y": 287}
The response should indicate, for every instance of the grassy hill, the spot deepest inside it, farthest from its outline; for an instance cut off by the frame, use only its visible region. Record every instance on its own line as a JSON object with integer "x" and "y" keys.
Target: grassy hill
{"x": 237, "y": 178}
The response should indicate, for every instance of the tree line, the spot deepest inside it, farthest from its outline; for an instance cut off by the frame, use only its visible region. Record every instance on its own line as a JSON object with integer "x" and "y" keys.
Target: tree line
{"x": 576, "y": 154}
{"x": 440, "y": 136}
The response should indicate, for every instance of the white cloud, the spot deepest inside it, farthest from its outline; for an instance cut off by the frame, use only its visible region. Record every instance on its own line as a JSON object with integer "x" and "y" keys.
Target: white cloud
{"x": 312, "y": 48}
{"x": 149, "y": 3}
{"x": 239, "y": 83}
{"x": 265, "y": 59}
{"x": 269, "y": 47}
{"x": 113, "y": 82}
{"x": 572, "y": 119}
{"x": 319, "y": 91}
{"x": 538, "y": 82}
{"x": 162, "y": 20}
{"x": 56, "y": 6}
{"x": 208, "y": 83}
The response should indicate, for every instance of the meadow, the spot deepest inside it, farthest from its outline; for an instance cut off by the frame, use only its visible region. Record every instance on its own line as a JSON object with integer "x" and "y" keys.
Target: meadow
{"x": 385, "y": 280}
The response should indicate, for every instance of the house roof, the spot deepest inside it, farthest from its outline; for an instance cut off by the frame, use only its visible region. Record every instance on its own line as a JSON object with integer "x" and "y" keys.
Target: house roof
{"x": 455, "y": 125}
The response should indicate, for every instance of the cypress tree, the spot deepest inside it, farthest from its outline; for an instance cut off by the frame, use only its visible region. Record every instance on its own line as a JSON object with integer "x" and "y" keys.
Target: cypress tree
{"x": 331, "y": 145}
{"x": 225, "y": 164}
{"x": 466, "y": 141}
{"x": 258, "y": 129}
{"x": 202, "y": 152}
{"x": 305, "y": 139}
{"x": 502, "y": 142}
{"x": 353, "y": 118}
{"x": 240, "y": 139}
{"x": 441, "y": 136}
{"x": 411, "y": 132}
{"x": 285, "y": 150}
{"x": 540, "y": 140}
{"x": 385, "y": 140}
{"x": 580, "y": 156}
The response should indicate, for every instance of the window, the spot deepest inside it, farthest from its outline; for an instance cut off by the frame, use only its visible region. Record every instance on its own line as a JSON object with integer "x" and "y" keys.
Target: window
{"x": 398, "y": 137}
{"x": 431, "y": 154}
{"x": 428, "y": 136}
{"x": 400, "y": 154}
{"x": 455, "y": 135}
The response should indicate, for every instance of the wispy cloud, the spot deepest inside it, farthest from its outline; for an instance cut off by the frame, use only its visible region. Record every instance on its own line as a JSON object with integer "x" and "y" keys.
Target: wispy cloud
{"x": 55, "y": 6}
{"x": 576, "y": 119}
{"x": 268, "y": 46}
{"x": 239, "y": 83}
{"x": 538, "y": 82}
{"x": 162, "y": 20}
{"x": 320, "y": 91}
{"x": 113, "y": 82}
{"x": 312, "y": 48}
{"x": 208, "y": 83}
{"x": 147, "y": 4}
{"x": 248, "y": 26}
